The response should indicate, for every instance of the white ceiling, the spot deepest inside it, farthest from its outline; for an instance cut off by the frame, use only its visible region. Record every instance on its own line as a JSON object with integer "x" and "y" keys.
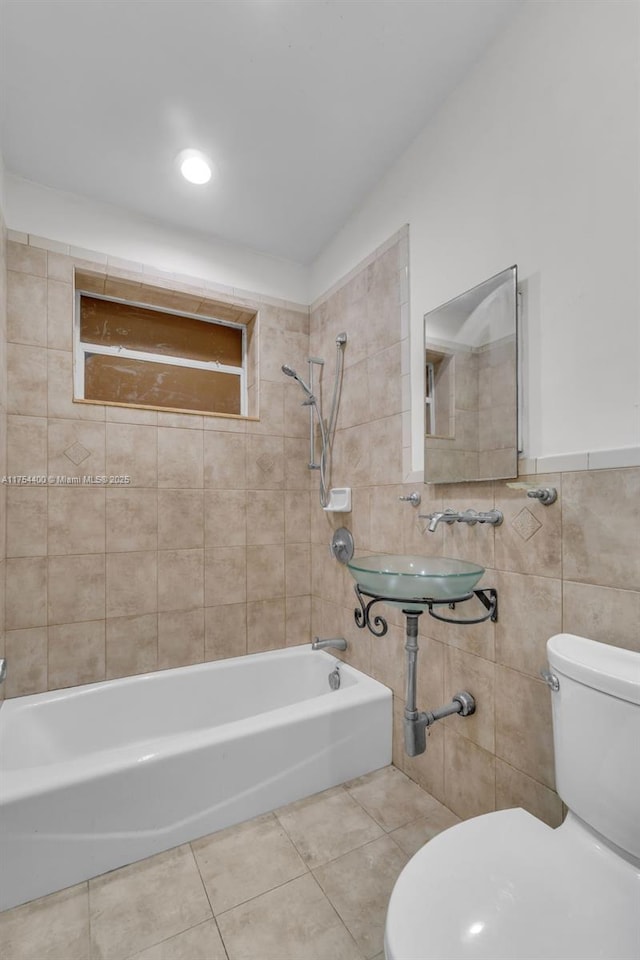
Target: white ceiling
{"x": 301, "y": 104}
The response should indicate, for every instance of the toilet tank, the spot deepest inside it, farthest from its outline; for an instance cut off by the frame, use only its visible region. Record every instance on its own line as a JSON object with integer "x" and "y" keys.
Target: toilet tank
{"x": 596, "y": 733}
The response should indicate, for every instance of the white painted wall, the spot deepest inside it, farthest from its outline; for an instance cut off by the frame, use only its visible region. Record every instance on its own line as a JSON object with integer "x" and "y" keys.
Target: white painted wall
{"x": 71, "y": 219}
{"x": 2, "y": 182}
{"x": 533, "y": 160}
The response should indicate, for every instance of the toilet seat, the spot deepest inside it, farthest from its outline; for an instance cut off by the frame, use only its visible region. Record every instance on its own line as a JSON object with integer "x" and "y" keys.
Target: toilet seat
{"x": 505, "y": 886}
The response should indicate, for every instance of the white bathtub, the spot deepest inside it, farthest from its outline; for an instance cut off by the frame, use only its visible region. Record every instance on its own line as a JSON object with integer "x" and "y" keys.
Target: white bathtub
{"x": 95, "y": 777}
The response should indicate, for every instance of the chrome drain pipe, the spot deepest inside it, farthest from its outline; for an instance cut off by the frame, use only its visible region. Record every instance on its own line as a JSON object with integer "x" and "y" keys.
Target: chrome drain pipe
{"x": 416, "y": 722}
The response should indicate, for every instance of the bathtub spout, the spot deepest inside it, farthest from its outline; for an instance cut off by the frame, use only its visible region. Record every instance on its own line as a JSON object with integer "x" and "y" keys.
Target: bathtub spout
{"x": 338, "y": 643}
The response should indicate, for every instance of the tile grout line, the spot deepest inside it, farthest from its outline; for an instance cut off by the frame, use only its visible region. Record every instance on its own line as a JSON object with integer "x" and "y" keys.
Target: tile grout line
{"x": 277, "y": 886}
{"x": 333, "y": 859}
{"x": 408, "y": 823}
{"x": 177, "y": 932}
{"x": 91, "y": 951}
{"x": 361, "y": 805}
{"x": 206, "y": 893}
{"x": 327, "y": 896}
{"x": 333, "y": 907}
{"x": 201, "y": 923}
{"x": 371, "y": 817}
{"x": 288, "y": 835}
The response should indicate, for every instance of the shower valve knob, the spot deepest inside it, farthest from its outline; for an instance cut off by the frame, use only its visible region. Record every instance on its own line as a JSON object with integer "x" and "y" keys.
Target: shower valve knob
{"x": 342, "y": 545}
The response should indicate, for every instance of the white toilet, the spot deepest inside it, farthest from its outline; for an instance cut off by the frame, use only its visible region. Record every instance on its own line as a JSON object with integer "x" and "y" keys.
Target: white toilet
{"x": 505, "y": 886}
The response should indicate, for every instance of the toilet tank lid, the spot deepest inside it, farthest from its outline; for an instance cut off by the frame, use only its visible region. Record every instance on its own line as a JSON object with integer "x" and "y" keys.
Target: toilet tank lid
{"x": 599, "y": 665}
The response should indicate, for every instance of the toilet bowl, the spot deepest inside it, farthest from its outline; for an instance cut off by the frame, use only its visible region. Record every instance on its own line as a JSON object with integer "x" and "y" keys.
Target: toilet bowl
{"x": 505, "y": 886}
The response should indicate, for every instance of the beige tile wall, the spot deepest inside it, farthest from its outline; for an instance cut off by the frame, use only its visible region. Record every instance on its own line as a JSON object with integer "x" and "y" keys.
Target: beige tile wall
{"x": 573, "y": 566}
{"x": 185, "y": 563}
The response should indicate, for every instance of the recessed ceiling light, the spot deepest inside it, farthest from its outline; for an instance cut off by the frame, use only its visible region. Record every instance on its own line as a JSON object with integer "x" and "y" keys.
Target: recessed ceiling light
{"x": 194, "y": 166}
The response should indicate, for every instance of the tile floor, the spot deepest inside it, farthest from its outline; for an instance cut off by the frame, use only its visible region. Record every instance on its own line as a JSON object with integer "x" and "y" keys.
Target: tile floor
{"x": 309, "y": 881}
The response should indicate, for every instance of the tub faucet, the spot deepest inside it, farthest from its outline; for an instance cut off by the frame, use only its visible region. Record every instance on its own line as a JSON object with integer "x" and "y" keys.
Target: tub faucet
{"x": 338, "y": 643}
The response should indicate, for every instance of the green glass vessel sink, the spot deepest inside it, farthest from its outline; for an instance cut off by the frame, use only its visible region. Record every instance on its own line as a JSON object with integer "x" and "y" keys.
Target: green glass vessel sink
{"x": 406, "y": 579}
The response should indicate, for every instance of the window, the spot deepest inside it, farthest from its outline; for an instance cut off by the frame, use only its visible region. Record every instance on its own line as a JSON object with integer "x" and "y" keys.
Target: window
{"x": 439, "y": 373}
{"x": 139, "y": 354}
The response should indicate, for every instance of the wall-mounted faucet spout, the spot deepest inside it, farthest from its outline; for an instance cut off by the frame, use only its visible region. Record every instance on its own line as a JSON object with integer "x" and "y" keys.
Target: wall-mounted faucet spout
{"x": 444, "y": 516}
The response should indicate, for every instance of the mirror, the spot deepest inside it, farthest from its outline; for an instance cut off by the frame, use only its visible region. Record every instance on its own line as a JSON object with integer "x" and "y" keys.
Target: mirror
{"x": 471, "y": 384}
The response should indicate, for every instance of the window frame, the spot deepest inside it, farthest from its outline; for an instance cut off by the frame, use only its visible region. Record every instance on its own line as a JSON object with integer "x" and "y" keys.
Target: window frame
{"x": 430, "y": 398}
{"x": 82, "y": 348}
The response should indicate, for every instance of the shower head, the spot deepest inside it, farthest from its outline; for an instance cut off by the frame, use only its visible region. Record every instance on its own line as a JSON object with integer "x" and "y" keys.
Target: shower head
{"x": 290, "y": 372}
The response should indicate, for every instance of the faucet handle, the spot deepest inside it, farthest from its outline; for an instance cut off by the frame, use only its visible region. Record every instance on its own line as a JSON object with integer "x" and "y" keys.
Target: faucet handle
{"x": 413, "y": 498}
